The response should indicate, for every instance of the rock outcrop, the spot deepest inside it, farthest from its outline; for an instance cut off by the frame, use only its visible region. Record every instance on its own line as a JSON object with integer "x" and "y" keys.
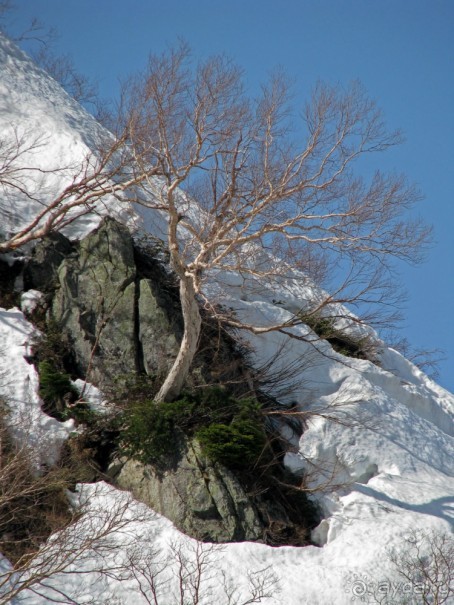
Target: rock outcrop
{"x": 115, "y": 302}
{"x": 115, "y": 315}
{"x": 203, "y": 499}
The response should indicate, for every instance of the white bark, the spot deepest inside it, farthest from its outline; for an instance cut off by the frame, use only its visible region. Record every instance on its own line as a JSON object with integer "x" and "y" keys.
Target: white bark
{"x": 192, "y": 325}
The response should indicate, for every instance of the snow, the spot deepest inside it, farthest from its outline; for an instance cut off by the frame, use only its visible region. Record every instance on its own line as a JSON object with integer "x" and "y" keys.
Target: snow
{"x": 30, "y": 300}
{"x": 52, "y": 135}
{"x": 378, "y": 437}
{"x": 92, "y": 395}
{"x": 19, "y": 384}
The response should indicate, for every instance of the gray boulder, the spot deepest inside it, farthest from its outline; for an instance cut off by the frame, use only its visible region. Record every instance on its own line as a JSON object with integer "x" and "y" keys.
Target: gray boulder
{"x": 116, "y": 324}
{"x": 202, "y": 499}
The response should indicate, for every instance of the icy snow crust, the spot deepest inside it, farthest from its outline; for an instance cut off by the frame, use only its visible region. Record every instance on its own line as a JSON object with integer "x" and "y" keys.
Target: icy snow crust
{"x": 386, "y": 449}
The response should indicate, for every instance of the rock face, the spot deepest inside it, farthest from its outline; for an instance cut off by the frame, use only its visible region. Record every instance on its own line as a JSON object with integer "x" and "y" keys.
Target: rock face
{"x": 207, "y": 501}
{"x": 204, "y": 500}
{"x": 41, "y": 270}
{"x": 117, "y": 304}
{"x": 113, "y": 313}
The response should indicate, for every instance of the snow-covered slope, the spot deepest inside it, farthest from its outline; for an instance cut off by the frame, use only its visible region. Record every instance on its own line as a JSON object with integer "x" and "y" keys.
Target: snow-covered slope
{"x": 379, "y": 438}
{"x": 44, "y": 130}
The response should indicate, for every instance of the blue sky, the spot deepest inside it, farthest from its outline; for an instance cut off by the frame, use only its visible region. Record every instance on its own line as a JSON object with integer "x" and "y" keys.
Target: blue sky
{"x": 401, "y": 50}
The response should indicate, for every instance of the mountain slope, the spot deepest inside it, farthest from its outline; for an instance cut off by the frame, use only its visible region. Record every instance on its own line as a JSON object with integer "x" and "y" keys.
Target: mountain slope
{"x": 380, "y": 434}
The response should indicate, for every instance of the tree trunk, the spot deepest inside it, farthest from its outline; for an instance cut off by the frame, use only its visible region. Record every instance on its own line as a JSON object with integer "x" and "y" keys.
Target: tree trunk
{"x": 192, "y": 324}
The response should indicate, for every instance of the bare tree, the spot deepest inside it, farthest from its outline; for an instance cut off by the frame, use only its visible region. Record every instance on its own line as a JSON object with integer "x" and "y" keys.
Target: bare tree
{"x": 89, "y": 543}
{"x": 103, "y": 173}
{"x": 425, "y": 566}
{"x": 39, "y": 41}
{"x": 427, "y": 360}
{"x": 5, "y": 7}
{"x": 35, "y": 31}
{"x": 56, "y": 544}
{"x": 190, "y": 574}
{"x": 63, "y": 69}
{"x": 44, "y": 536}
{"x": 104, "y": 544}
{"x": 265, "y": 182}
{"x": 277, "y": 198}
{"x": 32, "y": 502}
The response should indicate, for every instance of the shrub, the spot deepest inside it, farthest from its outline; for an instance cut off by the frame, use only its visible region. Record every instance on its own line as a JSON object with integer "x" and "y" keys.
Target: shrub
{"x": 54, "y": 345}
{"x": 230, "y": 431}
{"x": 148, "y": 432}
{"x": 32, "y": 504}
{"x": 61, "y": 397}
{"x": 53, "y": 355}
{"x": 236, "y": 445}
{"x": 82, "y": 413}
{"x": 55, "y": 389}
{"x": 341, "y": 341}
